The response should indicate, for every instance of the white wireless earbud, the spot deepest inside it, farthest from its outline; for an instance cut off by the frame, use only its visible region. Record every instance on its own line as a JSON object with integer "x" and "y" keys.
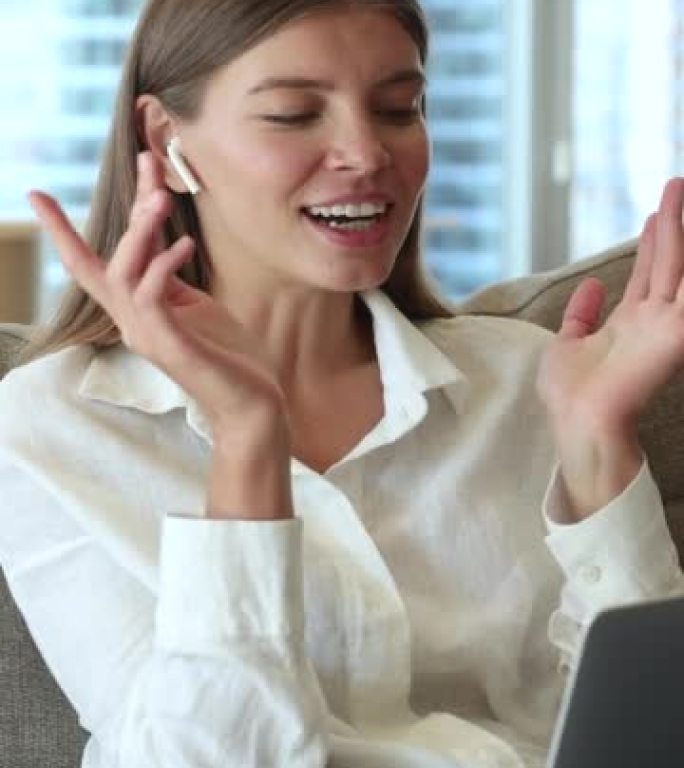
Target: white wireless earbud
{"x": 173, "y": 151}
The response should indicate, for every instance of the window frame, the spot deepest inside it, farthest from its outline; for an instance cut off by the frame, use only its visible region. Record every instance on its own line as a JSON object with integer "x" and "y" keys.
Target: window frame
{"x": 539, "y": 146}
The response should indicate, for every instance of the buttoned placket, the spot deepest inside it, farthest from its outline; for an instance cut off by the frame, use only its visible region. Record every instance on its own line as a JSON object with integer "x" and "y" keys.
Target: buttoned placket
{"x": 378, "y": 634}
{"x": 377, "y": 637}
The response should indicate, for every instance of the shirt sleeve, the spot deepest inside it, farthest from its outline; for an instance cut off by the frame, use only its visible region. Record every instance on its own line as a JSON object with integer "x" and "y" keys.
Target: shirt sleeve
{"x": 212, "y": 671}
{"x": 621, "y": 554}
{"x": 230, "y": 684}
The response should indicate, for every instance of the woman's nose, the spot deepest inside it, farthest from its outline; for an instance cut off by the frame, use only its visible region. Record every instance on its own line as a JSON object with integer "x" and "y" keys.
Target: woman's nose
{"x": 359, "y": 147}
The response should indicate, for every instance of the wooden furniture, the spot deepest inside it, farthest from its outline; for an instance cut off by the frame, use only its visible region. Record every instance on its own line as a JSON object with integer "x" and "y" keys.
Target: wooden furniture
{"x": 19, "y": 272}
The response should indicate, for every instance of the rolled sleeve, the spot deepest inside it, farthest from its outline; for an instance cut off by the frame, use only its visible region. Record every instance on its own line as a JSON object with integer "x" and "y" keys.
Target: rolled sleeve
{"x": 226, "y": 581}
{"x": 622, "y": 553}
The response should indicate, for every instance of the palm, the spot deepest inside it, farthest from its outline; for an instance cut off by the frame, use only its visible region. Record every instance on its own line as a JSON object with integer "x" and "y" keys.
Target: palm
{"x": 610, "y": 373}
{"x": 213, "y": 338}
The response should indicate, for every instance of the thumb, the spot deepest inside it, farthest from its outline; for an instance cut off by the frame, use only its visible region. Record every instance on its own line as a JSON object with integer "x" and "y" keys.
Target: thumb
{"x": 583, "y": 310}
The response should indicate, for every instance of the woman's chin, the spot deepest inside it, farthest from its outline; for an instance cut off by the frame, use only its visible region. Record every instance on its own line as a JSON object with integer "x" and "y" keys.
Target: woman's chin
{"x": 357, "y": 277}
{"x": 355, "y": 270}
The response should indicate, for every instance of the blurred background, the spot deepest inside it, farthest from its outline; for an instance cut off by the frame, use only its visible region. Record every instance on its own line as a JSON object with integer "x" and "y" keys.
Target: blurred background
{"x": 555, "y": 125}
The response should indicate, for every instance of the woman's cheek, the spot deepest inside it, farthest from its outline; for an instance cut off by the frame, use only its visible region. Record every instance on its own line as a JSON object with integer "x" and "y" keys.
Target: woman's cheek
{"x": 416, "y": 165}
{"x": 284, "y": 151}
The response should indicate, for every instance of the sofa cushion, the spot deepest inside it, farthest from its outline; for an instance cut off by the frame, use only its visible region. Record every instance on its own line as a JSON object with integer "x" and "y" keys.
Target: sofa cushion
{"x": 38, "y": 726}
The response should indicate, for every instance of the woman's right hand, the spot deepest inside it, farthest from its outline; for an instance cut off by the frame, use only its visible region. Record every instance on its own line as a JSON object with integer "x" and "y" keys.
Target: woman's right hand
{"x": 182, "y": 330}
{"x": 194, "y": 340}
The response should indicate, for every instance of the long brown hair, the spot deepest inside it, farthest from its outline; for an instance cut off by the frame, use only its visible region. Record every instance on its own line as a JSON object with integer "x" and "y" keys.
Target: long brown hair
{"x": 176, "y": 48}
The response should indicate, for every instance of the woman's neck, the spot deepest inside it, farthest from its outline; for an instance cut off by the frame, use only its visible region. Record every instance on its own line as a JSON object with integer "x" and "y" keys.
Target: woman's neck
{"x": 311, "y": 336}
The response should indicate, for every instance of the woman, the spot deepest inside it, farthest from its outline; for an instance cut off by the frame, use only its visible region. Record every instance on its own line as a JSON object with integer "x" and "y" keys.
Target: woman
{"x": 265, "y": 501}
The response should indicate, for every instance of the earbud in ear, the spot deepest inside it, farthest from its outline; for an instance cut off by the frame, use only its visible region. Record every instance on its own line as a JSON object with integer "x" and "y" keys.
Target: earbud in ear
{"x": 173, "y": 151}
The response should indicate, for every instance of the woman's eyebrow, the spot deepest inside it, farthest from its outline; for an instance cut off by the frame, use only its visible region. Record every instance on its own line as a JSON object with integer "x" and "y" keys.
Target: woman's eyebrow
{"x": 404, "y": 76}
{"x": 306, "y": 83}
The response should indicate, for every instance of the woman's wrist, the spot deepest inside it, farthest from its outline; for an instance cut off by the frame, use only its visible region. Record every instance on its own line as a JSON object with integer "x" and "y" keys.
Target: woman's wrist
{"x": 249, "y": 477}
{"x": 597, "y": 464}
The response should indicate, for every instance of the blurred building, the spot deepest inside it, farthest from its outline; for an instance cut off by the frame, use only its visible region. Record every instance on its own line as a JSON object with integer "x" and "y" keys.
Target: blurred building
{"x": 627, "y": 54}
{"x": 466, "y": 107}
{"x": 678, "y": 84}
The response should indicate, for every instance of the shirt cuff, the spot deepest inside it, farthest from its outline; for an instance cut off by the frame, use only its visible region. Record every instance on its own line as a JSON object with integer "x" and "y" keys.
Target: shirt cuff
{"x": 224, "y": 582}
{"x": 622, "y": 553}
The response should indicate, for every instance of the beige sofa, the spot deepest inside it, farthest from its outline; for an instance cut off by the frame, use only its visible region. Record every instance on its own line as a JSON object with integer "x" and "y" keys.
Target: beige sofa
{"x": 37, "y": 725}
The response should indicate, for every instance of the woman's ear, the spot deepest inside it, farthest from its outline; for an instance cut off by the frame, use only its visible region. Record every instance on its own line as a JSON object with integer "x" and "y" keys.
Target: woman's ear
{"x": 156, "y": 128}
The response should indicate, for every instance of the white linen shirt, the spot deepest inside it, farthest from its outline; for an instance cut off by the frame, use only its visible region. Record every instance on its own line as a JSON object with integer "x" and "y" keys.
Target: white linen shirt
{"x": 419, "y": 612}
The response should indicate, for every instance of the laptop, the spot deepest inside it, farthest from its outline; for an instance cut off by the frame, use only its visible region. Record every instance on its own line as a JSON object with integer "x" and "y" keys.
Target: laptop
{"x": 624, "y": 705}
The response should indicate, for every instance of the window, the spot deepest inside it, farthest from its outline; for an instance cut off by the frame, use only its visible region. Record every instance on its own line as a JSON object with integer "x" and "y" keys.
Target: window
{"x": 627, "y": 115}
{"x": 465, "y": 200}
{"x": 61, "y": 98}
{"x": 61, "y": 89}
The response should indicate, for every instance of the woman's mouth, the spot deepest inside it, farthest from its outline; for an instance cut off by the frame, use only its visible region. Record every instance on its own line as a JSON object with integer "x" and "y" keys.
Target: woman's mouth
{"x": 349, "y": 217}
{"x": 353, "y": 225}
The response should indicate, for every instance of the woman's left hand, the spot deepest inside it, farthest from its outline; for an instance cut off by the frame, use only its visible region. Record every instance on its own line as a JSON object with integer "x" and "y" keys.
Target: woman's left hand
{"x": 596, "y": 380}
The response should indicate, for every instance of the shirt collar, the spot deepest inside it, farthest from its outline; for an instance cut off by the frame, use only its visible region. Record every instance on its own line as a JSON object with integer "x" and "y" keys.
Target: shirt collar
{"x": 120, "y": 377}
{"x": 410, "y": 364}
{"x": 409, "y": 361}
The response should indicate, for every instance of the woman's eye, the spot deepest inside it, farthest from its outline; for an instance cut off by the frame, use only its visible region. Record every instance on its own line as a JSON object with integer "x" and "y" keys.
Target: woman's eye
{"x": 401, "y": 115}
{"x": 295, "y": 119}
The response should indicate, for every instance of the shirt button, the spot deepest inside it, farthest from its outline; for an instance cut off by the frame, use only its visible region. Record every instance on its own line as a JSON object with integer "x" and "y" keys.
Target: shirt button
{"x": 590, "y": 574}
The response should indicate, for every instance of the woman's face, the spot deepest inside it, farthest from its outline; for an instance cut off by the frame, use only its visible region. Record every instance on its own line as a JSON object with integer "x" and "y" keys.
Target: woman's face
{"x": 312, "y": 153}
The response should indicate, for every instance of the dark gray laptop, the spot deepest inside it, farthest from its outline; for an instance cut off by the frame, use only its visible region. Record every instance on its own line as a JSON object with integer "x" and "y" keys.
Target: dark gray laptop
{"x": 624, "y": 707}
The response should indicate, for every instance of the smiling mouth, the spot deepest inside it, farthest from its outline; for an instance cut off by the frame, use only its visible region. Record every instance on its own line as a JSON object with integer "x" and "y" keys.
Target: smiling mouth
{"x": 349, "y": 218}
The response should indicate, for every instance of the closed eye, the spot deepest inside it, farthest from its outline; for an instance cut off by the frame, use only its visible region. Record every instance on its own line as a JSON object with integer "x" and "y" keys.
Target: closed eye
{"x": 393, "y": 115}
{"x": 402, "y": 115}
{"x": 298, "y": 119}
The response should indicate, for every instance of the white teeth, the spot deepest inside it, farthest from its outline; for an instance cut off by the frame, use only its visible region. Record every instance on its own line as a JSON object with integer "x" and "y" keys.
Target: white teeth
{"x": 353, "y": 226}
{"x": 365, "y": 210}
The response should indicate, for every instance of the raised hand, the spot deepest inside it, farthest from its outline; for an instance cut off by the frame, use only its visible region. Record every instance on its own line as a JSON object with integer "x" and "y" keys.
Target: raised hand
{"x": 596, "y": 381}
{"x": 182, "y": 330}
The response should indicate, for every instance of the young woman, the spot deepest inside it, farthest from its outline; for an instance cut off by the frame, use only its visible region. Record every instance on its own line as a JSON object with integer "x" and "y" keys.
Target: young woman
{"x": 265, "y": 501}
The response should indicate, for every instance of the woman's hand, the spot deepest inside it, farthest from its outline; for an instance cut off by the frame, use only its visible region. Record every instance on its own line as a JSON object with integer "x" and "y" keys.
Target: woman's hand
{"x": 196, "y": 342}
{"x": 180, "y": 329}
{"x": 596, "y": 381}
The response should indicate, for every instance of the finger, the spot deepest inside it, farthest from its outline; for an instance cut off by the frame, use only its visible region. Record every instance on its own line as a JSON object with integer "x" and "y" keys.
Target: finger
{"x": 141, "y": 242}
{"x": 638, "y": 285}
{"x": 581, "y": 316}
{"x": 156, "y": 284}
{"x": 668, "y": 264}
{"x": 83, "y": 265}
{"x": 151, "y": 192}
{"x": 181, "y": 294}
{"x": 152, "y": 297}
{"x": 150, "y": 179}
